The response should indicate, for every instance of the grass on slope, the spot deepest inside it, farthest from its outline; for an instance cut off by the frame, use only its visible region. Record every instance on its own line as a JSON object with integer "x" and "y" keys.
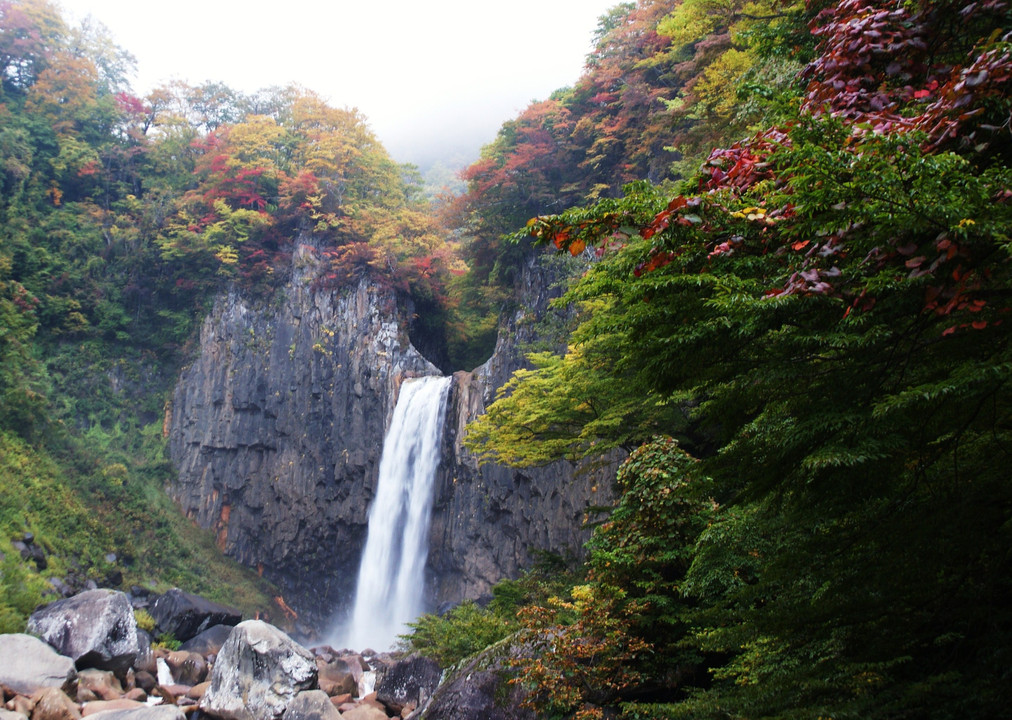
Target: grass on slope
{"x": 89, "y": 502}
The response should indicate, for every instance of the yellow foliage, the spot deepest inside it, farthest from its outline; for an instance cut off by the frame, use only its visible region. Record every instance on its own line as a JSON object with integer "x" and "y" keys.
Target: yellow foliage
{"x": 63, "y": 91}
{"x": 694, "y": 19}
{"x": 257, "y": 141}
{"x": 226, "y": 255}
{"x": 717, "y": 90}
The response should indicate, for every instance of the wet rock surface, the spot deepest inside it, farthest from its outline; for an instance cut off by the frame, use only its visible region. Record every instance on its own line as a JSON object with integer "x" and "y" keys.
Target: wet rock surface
{"x": 185, "y": 615}
{"x": 95, "y": 628}
{"x": 276, "y": 430}
{"x": 277, "y": 426}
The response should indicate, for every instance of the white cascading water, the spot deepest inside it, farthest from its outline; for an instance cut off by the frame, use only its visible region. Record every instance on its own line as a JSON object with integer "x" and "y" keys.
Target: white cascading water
{"x": 391, "y": 579}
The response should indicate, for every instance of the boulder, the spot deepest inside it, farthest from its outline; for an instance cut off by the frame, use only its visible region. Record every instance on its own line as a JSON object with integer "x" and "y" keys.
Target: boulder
{"x": 95, "y": 628}
{"x": 30, "y": 551}
{"x": 145, "y": 654}
{"x": 85, "y": 695}
{"x": 103, "y": 683}
{"x": 186, "y": 615}
{"x": 162, "y": 694}
{"x": 98, "y": 706}
{"x": 53, "y": 704}
{"x": 197, "y": 691}
{"x": 208, "y": 642}
{"x": 480, "y": 689}
{"x": 258, "y": 672}
{"x": 154, "y": 712}
{"x": 364, "y": 712}
{"x": 408, "y": 683}
{"x": 187, "y": 668}
{"x": 145, "y": 680}
{"x": 338, "y": 676}
{"x": 21, "y": 704}
{"x": 140, "y": 597}
{"x": 27, "y": 664}
{"x": 177, "y": 691}
{"x": 311, "y": 705}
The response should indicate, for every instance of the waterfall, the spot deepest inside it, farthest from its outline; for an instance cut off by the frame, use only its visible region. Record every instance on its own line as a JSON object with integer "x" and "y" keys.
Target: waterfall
{"x": 390, "y": 585}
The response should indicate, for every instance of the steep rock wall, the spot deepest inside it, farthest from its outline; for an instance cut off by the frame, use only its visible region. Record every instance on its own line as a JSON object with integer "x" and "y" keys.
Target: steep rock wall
{"x": 276, "y": 430}
{"x": 277, "y": 427}
{"x": 491, "y": 522}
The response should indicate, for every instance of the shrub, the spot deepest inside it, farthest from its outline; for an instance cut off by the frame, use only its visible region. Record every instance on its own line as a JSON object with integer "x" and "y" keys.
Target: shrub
{"x": 144, "y": 620}
{"x": 463, "y": 631}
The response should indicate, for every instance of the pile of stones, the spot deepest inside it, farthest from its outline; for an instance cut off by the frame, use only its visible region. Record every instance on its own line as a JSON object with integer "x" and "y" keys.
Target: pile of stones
{"x": 85, "y": 655}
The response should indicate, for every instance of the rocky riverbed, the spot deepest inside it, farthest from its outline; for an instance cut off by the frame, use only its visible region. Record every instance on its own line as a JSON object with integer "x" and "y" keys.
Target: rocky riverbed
{"x": 85, "y": 656}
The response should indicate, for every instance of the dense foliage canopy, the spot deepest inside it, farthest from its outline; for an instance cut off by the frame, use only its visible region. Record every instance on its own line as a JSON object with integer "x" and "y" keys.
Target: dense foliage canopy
{"x": 120, "y": 217}
{"x": 825, "y": 305}
{"x": 795, "y": 220}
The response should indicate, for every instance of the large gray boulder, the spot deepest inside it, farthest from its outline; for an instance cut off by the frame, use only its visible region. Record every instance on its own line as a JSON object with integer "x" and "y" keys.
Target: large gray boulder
{"x": 186, "y": 615}
{"x": 96, "y": 628}
{"x": 408, "y": 683}
{"x": 145, "y": 653}
{"x": 208, "y": 642}
{"x": 27, "y": 664}
{"x": 257, "y": 674}
{"x": 480, "y": 688}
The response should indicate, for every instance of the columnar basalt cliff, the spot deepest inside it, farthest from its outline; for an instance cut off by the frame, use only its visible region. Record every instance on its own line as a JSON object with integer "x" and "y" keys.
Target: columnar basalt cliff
{"x": 493, "y": 521}
{"x": 277, "y": 428}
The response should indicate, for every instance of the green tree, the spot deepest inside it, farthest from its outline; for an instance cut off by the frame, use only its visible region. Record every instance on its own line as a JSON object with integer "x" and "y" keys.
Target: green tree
{"x": 832, "y": 317}
{"x": 829, "y": 308}
{"x": 22, "y": 387}
{"x": 623, "y": 632}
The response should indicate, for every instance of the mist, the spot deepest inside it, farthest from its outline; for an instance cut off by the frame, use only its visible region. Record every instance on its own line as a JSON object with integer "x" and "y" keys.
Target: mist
{"x": 434, "y": 79}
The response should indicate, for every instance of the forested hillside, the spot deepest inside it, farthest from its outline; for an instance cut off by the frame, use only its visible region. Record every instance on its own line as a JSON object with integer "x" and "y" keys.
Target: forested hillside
{"x": 665, "y": 83}
{"x": 797, "y": 320}
{"x": 120, "y": 218}
{"x": 794, "y": 216}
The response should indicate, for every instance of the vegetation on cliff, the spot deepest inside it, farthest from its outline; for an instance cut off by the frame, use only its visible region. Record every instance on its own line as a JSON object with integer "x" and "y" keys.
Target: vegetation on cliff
{"x": 795, "y": 217}
{"x": 120, "y": 218}
{"x": 823, "y": 304}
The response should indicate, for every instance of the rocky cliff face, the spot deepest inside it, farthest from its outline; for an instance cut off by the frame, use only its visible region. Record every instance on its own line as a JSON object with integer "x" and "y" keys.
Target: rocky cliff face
{"x": 277, "y": 430}
{"x": 491, "y": 522}
{"x": 277, "y": 426}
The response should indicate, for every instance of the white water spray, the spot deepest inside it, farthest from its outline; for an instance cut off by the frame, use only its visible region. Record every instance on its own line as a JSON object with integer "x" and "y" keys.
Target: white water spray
{"x": 391, "y": 576}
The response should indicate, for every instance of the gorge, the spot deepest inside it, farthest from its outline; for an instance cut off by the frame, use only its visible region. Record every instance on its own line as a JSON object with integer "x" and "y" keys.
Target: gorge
{"x": 276, "y": 431}
{"x": 723, "y": 328}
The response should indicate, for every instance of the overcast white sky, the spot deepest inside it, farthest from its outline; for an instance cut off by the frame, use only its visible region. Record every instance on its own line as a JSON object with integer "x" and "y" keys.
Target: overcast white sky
{"x": 427, "y": 73}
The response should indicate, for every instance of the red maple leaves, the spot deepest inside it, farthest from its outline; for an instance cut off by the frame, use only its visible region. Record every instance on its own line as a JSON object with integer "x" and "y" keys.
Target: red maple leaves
{"x": 898, "y": 67}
